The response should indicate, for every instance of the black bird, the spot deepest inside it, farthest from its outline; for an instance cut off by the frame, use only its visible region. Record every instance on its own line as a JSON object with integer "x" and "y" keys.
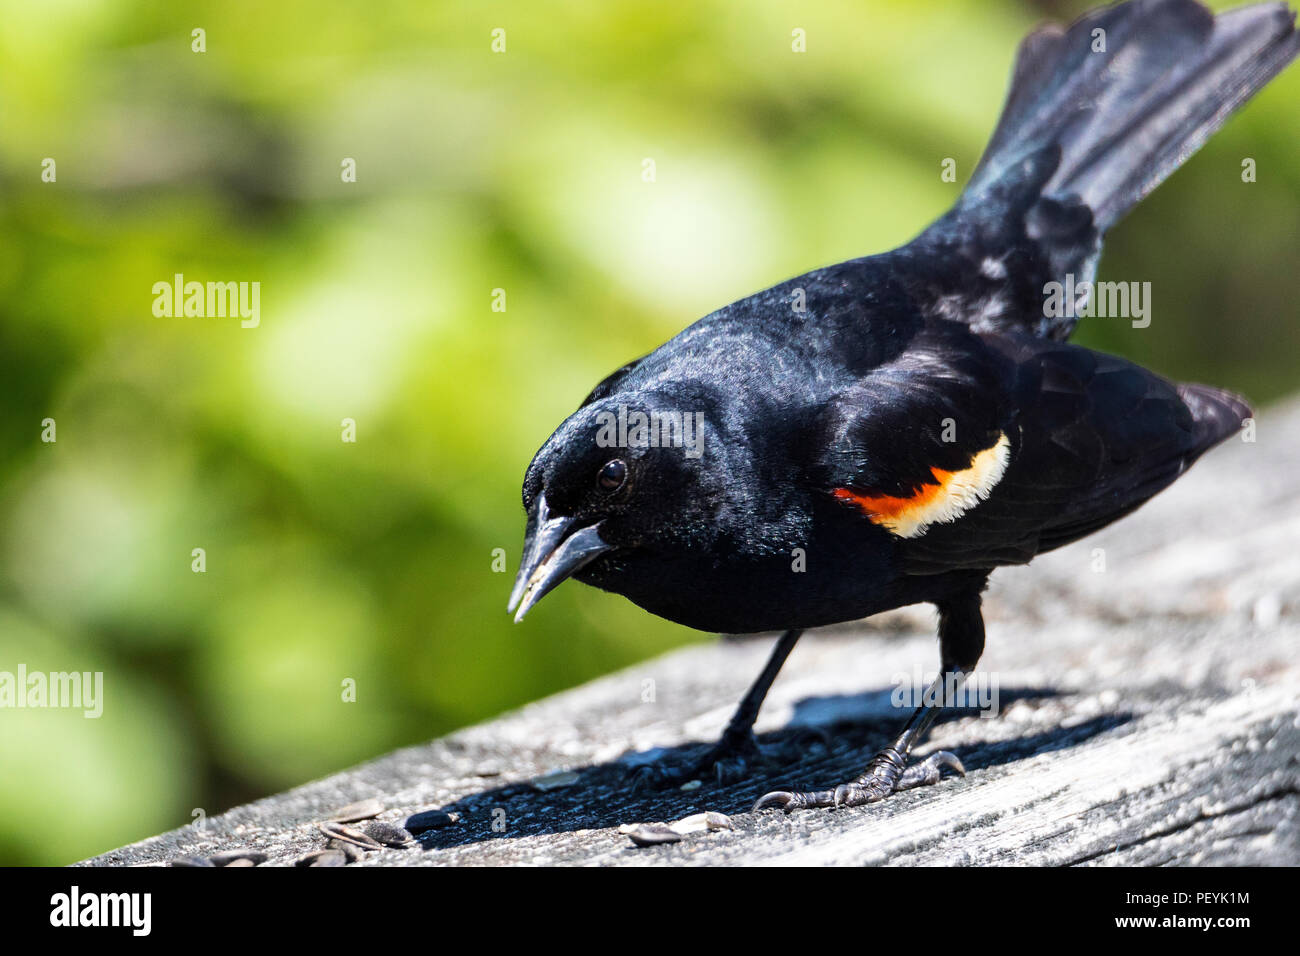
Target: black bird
{"x": 888, "y": 430}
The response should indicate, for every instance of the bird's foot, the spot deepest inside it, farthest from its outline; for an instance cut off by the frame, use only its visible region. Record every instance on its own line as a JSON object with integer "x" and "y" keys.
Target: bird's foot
{"x": 887, "y": 773}
{"x": 732, "y": 758}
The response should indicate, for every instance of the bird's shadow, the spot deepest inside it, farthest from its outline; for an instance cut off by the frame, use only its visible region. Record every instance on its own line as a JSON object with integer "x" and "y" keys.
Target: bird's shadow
{"x": 604, "y": 795}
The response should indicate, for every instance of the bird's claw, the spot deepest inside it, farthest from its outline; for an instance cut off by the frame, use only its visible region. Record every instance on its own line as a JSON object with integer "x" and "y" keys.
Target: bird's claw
{"x": 729, "y": 760}
{"x": 791, "y": 800}
{"x": 929, "y": 770}
{"x": 883, "y": 777}
{"x": 725, "y": 762}
{"x": 644, "y": 777}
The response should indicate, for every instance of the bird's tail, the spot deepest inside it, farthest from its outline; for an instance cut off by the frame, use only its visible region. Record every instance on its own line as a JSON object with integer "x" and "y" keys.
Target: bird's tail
{"x": 1098, "y": 115}
{"x": 1129, "y": 92}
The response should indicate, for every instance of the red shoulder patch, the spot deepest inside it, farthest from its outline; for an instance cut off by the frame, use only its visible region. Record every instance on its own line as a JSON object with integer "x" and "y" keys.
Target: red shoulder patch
{"x": 948, "y": 496}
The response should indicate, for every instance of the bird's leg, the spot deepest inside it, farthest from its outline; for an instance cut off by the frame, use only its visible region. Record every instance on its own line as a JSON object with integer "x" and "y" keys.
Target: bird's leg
{"x": 961, "y": 635}
{"x": 740, "y": 729}
{"x": 736, "y": 749}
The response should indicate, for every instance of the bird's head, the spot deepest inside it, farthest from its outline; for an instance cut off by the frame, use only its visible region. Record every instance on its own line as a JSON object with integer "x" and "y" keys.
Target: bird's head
{"x": 627, "y": 480}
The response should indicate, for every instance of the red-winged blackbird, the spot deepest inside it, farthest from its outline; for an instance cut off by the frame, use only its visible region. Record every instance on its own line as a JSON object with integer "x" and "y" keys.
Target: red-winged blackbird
{"x": 889, "y": 430}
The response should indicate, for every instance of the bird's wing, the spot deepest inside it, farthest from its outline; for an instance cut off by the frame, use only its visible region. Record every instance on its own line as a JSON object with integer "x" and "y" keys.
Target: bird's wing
{"x": 974, "y": 457}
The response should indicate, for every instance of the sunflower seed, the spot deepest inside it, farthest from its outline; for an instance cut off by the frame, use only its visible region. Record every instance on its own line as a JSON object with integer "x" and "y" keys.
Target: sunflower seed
{"x": 191, "y": 861}
{"x": 350, "y": 850}
{"x": 429, "y": 820}
{"x": 337, "y": 831}
{"x": 361, "y": 810}
{"x": 699, "y": 822}
{"x": 650, "y": 834}
{"x": 232, "y": 857}
{"x": 389, "y": 834}
{"x": 554, "y": 780}
{"x": 322, "y": 858}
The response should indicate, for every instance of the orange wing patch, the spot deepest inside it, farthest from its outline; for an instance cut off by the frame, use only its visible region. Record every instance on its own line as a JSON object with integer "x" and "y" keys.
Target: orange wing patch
{"x": 949, "y": 496}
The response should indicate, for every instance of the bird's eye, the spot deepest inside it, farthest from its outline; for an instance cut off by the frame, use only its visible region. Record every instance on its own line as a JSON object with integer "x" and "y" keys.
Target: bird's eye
{"x": 612, "y": 474}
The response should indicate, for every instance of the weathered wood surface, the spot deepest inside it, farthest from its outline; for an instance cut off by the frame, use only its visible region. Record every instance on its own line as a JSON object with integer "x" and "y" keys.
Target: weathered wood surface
{"x": 1150, "y": 714}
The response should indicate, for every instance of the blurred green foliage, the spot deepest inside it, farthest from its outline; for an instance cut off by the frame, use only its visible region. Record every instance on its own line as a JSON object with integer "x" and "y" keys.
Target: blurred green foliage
{"x": 521, "y": 171}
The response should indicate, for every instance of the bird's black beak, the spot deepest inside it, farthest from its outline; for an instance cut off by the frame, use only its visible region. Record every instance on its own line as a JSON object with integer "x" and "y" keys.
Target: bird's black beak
{"x": 554, "y": 548}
